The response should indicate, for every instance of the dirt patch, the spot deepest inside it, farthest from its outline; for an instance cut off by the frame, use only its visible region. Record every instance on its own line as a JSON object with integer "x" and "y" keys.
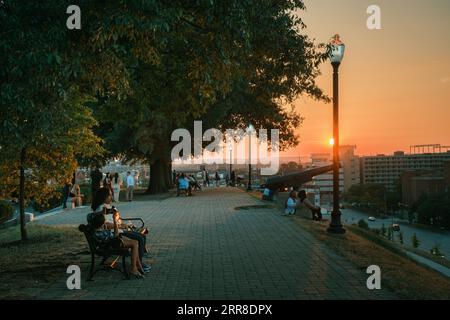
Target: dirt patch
{"x": 30, "y": 266}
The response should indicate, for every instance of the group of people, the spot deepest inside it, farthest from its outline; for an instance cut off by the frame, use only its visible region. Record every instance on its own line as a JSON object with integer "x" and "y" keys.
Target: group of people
{"x": 186, "y": 183}
{"x": 107, "y": 224}
{"x": 113, "y": 182}
{"x": 72, "y": 194}
{"x": 292, "y": 203}
{"x": 229, "y": 180}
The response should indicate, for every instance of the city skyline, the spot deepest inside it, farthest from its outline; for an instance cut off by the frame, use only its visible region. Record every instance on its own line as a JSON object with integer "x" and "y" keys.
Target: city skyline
{"x": 404, "y": 100}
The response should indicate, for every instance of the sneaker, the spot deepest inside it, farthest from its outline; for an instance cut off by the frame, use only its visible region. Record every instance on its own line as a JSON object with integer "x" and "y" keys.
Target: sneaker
{"x": 146, "y": 268}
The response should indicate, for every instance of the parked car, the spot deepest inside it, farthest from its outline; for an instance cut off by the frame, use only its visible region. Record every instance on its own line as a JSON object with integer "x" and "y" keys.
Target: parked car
{"x": 372, "y": 219}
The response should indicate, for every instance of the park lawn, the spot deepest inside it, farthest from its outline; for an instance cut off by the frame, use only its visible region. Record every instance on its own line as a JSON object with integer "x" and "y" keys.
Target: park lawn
{"x": 404, "y": 277}
{"x": 30, "y": 266}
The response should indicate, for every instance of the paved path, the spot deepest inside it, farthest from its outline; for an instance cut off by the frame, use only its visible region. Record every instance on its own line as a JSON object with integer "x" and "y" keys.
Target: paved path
{"x": 205, "y": 249}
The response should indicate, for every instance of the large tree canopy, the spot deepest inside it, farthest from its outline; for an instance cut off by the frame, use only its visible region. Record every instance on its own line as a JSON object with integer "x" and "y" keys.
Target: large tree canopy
{"x": 226, "y": 63}
{"x": 145, "y": 68}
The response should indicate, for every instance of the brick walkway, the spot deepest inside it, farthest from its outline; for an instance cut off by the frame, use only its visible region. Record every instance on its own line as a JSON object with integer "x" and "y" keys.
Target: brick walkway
{"x": 204, "y": 249}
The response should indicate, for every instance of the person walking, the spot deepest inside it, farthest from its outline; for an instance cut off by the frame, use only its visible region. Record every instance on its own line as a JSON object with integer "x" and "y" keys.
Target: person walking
{"x": 233, "y": 178}
{"x": 66, "y": 191}
{"x": 206, "y": 178}
{"x": 174, "y": 177}
{"x": 96, "y": 180}
{"x": 217, "y": 179}
{"x": 130, "y": 186}
{"x": 116, "y": 185}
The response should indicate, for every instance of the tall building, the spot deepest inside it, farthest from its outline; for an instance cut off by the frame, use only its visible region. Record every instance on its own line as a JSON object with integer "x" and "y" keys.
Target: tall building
{"x": 323, "y": 184}
{"x": 386, "y": 169}
{"x": 418, "y": 182}
{"x": 350, "y": 166}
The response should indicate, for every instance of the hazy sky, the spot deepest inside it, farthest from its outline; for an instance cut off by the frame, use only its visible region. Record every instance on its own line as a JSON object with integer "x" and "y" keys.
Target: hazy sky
{"x": 394, "y": 82}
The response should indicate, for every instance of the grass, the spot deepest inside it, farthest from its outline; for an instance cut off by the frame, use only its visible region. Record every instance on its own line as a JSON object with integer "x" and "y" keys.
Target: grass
{"x": 439, "y": 260}
{"x": 29, "y": 266}
{"x": 402, "y": 276}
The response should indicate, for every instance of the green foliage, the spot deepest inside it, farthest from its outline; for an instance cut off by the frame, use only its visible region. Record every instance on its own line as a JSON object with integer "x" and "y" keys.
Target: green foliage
{"x": 400, "y": 237}
{"x": 433, "y": 209}
{"x": 227, "y": 63}
{"x": 436, "y": 250}
{"x": 371, "y": 196}
{"x": 49, "y": 204}
{"x": 415, "y": 241}
{"x": 363, "y": 224}
{"x": 6, "y": 211}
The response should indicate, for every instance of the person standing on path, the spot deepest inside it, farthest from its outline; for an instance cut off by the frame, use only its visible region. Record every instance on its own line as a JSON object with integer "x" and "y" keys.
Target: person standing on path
{"x": 96, "y": 180}
{"x": 116, "y": 185}
{"x": 66, "y": 191}
{"x": 206, "y": 178}
{"x": 233, "y": 178}
{"x": 217, "y": 179}
{"x": 130, "y": 186}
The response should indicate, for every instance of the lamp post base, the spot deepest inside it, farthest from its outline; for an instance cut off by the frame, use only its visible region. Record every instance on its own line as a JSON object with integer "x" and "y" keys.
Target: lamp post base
{"x": 335, "y": 225}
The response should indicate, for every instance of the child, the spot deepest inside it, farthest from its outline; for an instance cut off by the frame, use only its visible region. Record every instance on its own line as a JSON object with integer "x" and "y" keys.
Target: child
{"x": 291, "y": 204}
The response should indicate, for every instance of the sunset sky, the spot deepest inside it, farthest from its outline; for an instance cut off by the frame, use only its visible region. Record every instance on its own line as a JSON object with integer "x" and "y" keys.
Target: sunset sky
{"x": 394, "y": 82}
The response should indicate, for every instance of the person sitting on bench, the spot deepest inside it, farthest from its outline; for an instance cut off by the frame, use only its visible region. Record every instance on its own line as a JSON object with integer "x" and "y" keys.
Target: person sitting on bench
{"x": 183, "y": 184}
{"x": 102, "y": 233}
{"x": 316, "y": 211}
{"x": 193, "y": 183}
{"x": 104, "y": 197}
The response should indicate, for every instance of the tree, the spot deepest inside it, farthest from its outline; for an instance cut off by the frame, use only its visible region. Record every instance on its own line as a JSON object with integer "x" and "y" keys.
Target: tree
{"x": 290, "y": 167}
{"x": 415, "y": 241}
{"x": 44, "y": 124}
{"x": 433, "y": 209}
{"x": 226, "y": 63}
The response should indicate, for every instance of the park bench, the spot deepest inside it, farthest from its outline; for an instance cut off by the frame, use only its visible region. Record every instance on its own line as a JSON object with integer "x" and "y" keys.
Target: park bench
{"x": 107, "y": 249}
{"x": 186, "y": 191}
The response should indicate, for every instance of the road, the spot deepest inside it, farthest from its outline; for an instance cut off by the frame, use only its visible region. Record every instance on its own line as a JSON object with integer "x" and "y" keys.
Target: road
{"x": 428, "y": 239}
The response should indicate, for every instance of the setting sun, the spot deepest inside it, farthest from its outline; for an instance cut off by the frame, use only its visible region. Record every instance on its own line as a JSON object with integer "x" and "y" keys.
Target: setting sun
{"x": 331, "y": 141}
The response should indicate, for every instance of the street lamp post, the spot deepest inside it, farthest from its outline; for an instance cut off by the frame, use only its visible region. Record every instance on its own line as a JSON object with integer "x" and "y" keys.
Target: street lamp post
{"x": 231, "y": 162}
{"x": 249, "y": 130}
{"x": 336, "y": 56}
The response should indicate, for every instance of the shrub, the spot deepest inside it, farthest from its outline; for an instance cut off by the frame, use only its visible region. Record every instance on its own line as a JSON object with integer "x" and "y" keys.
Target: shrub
{"x": 363, "y": 224}
{"x": 415, "y": 241}
{"x": 6, "y": 211}
{"x": 49, "y": 204}
{"x": 436, "y": 250}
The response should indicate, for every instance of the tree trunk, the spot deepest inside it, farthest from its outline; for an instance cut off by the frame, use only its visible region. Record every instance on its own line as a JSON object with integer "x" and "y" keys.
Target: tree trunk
{"x": 170, "y": 175}
{"x": 159, "y": 180}
{"x": 23, "y": 231}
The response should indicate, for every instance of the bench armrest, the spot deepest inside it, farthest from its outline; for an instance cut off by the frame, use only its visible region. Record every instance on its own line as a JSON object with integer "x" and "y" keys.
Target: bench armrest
{"x": 135, "y": 219}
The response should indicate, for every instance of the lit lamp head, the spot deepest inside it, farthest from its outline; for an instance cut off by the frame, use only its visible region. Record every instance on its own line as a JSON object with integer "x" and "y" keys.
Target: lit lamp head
{"x": 337, "y": 50}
